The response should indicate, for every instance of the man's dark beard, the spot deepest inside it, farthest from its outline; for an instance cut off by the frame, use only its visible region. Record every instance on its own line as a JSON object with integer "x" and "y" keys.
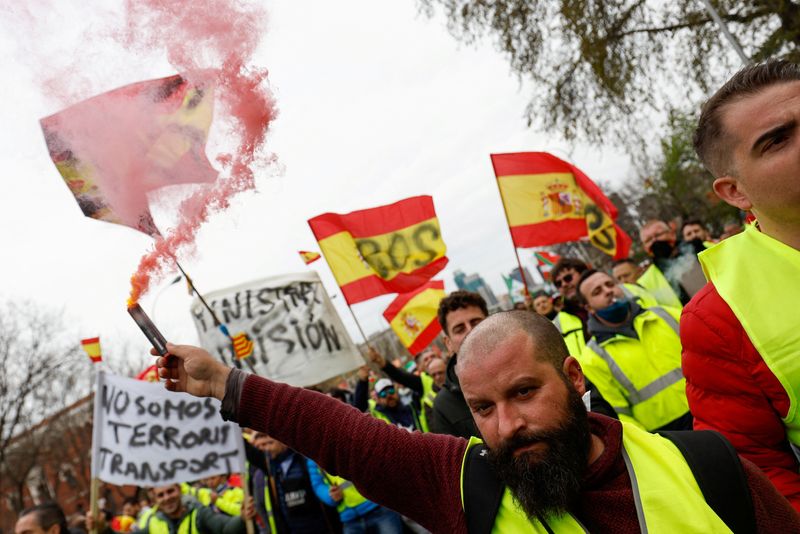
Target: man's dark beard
{"x": 548, "y": 481}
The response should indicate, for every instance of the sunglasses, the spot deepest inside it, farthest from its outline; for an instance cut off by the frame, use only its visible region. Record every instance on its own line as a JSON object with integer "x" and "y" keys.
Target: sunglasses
{"x": 566, "y": 279}
{"x": 386, "y": 392}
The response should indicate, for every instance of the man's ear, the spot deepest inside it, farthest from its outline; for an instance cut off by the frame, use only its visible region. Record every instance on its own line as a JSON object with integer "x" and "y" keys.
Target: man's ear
{"x": 572, "y": 370}
{"x": 730, "y": 190}
{"x": 448, "y": 344}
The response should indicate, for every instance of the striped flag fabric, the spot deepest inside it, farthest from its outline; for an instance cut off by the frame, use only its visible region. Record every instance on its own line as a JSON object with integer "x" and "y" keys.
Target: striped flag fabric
{"x": 545, "y": 262}
{"x": 389, "y": 249}
{"x": 92, "y": 348}
{"x": 309, "y": 256}
{"x": 242, "y": 345}
{"x": 149, "y": 375}
{"x": 548, "y": 201}
{"x": 413, "y": 316}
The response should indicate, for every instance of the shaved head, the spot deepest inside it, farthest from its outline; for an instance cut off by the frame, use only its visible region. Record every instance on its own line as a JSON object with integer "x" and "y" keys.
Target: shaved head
{"x": 547, "y": 342}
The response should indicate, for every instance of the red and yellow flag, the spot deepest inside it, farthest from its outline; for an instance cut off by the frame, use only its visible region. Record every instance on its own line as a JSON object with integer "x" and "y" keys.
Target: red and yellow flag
{"x": 389, "y": 249}
{"x": 242, "y": 346}
{"x": 114, "y": 148}
{"x": 308, "y": 256}
{"x": 92, "y": 348}
{"x": 149, "y": 375}
{"x": 549, "y": 201}
{"x": 413, "y": 318}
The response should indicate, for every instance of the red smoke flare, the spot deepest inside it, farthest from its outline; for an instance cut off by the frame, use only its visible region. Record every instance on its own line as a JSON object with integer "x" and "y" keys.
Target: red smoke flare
{"x": 206, "y": 34}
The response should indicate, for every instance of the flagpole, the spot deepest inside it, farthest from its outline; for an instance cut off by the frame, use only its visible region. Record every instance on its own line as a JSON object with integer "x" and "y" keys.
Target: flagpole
{"x": 219, "y": 324}
{"x": 516, "y": 252}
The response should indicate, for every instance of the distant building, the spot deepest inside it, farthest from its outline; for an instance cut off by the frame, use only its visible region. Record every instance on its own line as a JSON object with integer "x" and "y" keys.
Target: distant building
{"x": 531, "y": 281}
{"x": 474, "y": 282}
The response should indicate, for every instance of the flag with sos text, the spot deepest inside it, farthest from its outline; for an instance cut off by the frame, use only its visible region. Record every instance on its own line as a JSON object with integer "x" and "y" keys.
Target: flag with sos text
{"x": 548, "y": 201}
{"x": 413, "y": 316}
{"x": 388, "y": 249}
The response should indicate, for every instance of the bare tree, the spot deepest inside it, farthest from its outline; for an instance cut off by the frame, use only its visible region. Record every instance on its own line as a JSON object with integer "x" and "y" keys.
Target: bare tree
{"x": 37, "y": 357}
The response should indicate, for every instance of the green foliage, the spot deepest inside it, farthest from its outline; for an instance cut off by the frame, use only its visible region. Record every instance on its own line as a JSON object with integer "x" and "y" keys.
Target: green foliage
{"x": 599, "y": 68}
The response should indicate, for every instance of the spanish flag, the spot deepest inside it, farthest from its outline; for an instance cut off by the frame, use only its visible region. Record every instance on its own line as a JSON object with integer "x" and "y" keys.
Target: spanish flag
{"x": 149, "y": 375}
{"x": 549, "y": 201}
{"x": 389, "y": 249}
{"x": 92, "y": 348}
{"x": 242, "y": 346}
{"x": 413, "y": 316}
{"x": 308, "y": 256}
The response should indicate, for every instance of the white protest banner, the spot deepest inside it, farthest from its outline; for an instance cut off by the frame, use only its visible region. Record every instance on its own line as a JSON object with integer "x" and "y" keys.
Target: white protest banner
{"x": 145, "y": 435}
{"x": 298, "y": 337}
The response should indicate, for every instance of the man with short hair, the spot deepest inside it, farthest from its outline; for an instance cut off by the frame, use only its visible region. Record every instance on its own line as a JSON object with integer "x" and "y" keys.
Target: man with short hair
{"x": 546, "y": 464}
{"x": 571, "y": 320}
{"x": 634, "y": 356}
{"x": 175, "y": 514}
{"x": 695, "y": 230}
{"x": 46, "y": 518}
{"x": 740, "y": 333}
{"x": 543, "y": 305}
{"x": 626, "y": 271}
{"x": 458, "y": 314}
{"x": 672, "y": 262}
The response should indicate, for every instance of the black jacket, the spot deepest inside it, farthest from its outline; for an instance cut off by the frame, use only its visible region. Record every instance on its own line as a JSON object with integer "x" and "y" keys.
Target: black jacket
{"x": 451, "y": 414}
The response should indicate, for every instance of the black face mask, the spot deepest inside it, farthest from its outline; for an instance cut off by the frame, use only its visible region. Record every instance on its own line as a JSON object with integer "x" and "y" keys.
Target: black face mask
{"x": 662, "y": 249}
{"x": 697, "y": 245}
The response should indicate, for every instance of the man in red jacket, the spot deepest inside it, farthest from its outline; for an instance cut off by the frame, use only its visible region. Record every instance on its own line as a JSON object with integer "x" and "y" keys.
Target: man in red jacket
{"x": 741, "y": 333}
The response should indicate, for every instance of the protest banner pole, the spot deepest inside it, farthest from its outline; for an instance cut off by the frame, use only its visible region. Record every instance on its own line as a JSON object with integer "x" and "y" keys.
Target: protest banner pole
{"x": 94, "y": 487}
{"x": 248, "y": 523}
{"x": 513, "y": 244}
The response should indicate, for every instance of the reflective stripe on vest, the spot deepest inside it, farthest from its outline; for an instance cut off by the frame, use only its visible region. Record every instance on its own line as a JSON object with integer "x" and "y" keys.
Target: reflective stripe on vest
{"x": 571, "y": 329}
{"x": 188, "y": 524}
{"x": 639, "y": 395}
{"x": 758, "y": 276}
{"x": 654, "y": 281}
{"x": 665, "y": 493}
{"x": 350, "y": 495}
{"x": 428, "y": 396}
{"x": 268, "y": 506}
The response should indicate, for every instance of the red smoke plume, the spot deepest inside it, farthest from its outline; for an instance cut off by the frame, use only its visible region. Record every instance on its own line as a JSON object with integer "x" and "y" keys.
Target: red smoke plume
{"x": 217, "y": 36}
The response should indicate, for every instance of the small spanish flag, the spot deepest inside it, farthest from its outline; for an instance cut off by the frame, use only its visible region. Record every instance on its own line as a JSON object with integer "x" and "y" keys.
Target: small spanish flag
{"x": 92, "y": 348}
{"x": 242, "y": 345}
{"x": 149, "y": 375}
{"x": 413, "y": 316}
{"x": 308, "y": 256}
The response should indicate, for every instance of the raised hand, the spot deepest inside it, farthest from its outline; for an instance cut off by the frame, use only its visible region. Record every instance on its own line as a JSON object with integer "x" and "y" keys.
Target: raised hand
{"x": 193, "y": 370}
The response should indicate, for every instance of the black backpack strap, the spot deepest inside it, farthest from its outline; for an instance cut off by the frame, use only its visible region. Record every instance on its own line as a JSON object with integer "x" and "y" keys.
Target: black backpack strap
{"x": 483, "y": 491}
{"x": 720, "y": 475}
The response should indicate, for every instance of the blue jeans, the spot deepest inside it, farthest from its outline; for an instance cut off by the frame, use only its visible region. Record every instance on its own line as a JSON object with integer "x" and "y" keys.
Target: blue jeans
{"x": 379, "y": 521}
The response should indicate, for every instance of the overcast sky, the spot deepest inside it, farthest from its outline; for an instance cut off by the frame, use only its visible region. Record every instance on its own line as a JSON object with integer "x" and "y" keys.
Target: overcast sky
{"x": 376, "y": 103}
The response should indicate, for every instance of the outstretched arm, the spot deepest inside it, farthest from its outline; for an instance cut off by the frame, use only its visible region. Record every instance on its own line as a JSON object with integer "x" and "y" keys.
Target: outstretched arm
{"x": 388, "y": 465}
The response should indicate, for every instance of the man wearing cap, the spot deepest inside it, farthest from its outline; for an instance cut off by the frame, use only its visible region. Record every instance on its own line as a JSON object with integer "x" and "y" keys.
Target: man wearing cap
{"x": 387, "y": 406}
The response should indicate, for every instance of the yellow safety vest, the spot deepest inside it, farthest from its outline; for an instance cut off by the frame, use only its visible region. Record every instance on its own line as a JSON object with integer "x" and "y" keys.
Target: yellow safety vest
{"x": 373, "y": 409}
{"x": 350, "y": 495}
{"x": 268, "y": 506}
{"x": 759, "y": 278}
{"x": 428, "y": 396}
{"x": 654, "y": 281}
{"x": 141, "y": 523}
{"x": 571, "y": 329}
{"x": 641, "y": 378}
{"x": 188, "y": 524}
{"x": 230, "y": 501}
{"x": 638, "y": 294}
{"x": 665, "y": 493}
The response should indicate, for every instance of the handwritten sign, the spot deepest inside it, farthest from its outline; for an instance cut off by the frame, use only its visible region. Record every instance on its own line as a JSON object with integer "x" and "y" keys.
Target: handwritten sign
{"x": 297, "y": 335}
{"x": 147, "y": 436}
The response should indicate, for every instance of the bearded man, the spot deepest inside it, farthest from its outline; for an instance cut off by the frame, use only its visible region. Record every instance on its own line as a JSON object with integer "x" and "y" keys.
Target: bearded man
{"x": 545, "y": 464}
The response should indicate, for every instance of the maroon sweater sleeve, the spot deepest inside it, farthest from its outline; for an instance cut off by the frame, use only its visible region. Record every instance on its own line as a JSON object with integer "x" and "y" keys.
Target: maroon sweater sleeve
{"x": 417, "y": 475}
{"x": 773, "y": 512}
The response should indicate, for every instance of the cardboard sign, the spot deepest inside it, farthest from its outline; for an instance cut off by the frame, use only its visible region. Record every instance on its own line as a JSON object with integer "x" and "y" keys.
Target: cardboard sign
{"x": 298, "y": 338}
{"x": 145, "y": 435}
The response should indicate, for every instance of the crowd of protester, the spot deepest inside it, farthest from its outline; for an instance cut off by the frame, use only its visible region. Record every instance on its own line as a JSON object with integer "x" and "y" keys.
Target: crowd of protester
{"x": 581, "y": 408}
